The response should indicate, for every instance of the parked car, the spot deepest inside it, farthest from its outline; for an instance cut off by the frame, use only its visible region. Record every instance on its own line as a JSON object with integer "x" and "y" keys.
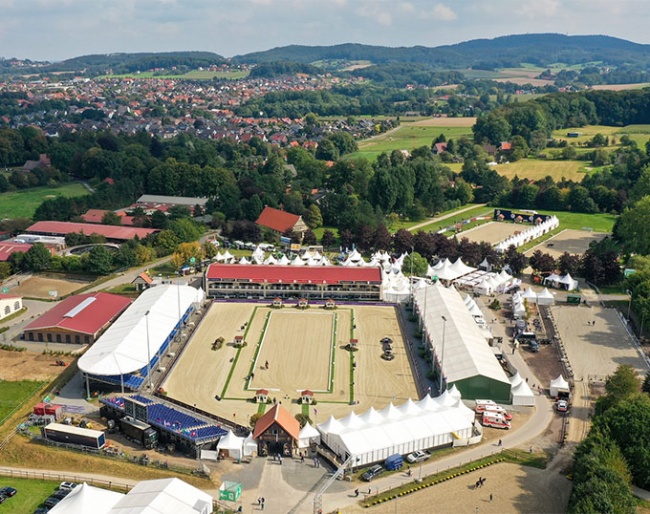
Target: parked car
{"x": 51, "y": 502}
{"x": 67, "y": 486}
{"x": 8, "y": 491}
{"x": 372, "y": 473}
{"x": 534, "y": 347}
{"x": 418, "y": 456}
{"x": 562, "y": 406}
{"x": 61, "y": 493}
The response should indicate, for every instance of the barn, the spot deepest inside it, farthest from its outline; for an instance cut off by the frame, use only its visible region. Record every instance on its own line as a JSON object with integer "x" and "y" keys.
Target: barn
{"x": 458, "y": 346}
{"x": 277, "y": 432}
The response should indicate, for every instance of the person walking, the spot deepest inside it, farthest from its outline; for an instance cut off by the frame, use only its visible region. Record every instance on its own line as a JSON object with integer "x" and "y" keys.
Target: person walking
{"x": 500, "y": 442}
{"x": 356, "y": 493}
{"x": 491, "y": 497}
{"x": 302, "y": 459}
{"x": 263, "y": 501}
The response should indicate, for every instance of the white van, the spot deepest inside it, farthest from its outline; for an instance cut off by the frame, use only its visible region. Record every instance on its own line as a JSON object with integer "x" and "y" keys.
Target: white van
{"x": 495, "y": 420}
{"x": 498, "y": 409}
{"x": 481, "y": 404}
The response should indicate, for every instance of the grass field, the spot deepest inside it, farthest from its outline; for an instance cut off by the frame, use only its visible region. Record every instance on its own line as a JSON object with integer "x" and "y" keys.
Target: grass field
{"x": 537, "y": 169}
{"x": 12, "y": 394}
{"x": 31, "y": 494}
{"x": 639, "y": 133}
{"x": 23, "y": 204}
{"x": 477, "y": 211}
{"x": 407, "y": 137}
{"x": 580, "y": 221}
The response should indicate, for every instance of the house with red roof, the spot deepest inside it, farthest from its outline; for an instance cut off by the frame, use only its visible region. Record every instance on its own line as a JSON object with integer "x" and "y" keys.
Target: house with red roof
{"x": 276, "y": 432}
{"x": 332, "y": 283}
{"x": 9, "y": 304}
{"x": 142, "y": 281}
{"x": 281, "y": 222}
{"x": 79, "y": 319}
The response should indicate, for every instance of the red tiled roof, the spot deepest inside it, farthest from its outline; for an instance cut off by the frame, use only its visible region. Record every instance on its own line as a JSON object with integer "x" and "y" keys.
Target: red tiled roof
{"x": 298, "y": 274}
{"x": 4, "y": 296}
{"x": 145, "y": 277}
{"x": 94, "y": 215}
{"x": 88, "y": 320}
{"x": 108, "y": 231}
{"x": 6, "y": 249}
{"x": 282, "y": 417}
{"x": 277, "y": 220}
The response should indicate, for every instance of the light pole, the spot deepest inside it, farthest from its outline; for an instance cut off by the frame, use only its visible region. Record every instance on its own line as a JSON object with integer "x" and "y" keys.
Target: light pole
{"x": 146, "y": 318}
{"x": 442, "y": 353}
{"x": 629, "y": 303}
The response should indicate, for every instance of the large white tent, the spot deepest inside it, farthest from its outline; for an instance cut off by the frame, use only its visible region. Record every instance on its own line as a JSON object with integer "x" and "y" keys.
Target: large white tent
{"x": 232, "y": 444}
{"x": 373, "y": 436}
{"x": 529, "y": 234}
{"x": 448, "y": 272}
{"x": 87, "y": 498}
{"x": 141, "y": 331}
{"x": 559, "y": 385}
{"x": 458, "y": 343}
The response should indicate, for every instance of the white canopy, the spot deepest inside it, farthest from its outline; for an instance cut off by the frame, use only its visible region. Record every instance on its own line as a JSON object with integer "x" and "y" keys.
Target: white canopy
{"x": 307, "y": 436}
{"x": 521, "y": 394}
{"x": 163, "y": 496}
{"x": 250, "y": 446}
{"x": 86, "y": 498}
{"x": 529, "y": 295}
{"x": 558, "y": 385}
{"x": 545, "y": 297}
{"x": 232, "y": 444}
{"x": 149, "y": 321}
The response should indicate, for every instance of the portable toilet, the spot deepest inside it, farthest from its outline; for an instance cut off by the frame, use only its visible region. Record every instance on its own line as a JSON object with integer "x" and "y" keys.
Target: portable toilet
{"x": 394, "y": 462}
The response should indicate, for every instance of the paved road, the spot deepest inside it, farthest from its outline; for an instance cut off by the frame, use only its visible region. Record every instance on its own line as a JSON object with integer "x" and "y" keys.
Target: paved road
{"x": 444, "y": 217}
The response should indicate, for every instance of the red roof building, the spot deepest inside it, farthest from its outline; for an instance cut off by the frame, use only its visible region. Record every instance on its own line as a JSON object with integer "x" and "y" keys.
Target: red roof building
{"x": 281, "y": 221}
{"x": 310, "y": 282}
{"x": 6, "y": 249}
{"x": 276, "y": 432}
{"x": 110, "y": 232}
{"x": 77, "y": 319}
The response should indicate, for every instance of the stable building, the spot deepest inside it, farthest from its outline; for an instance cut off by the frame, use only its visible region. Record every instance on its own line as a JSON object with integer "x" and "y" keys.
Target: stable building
{"x": 112, "y": 233}
{"x": 79, "y": 319}
{"x": 9, "y": 304}
{"x": 276, "y": 432}
{"x": 332, "y": 283}
{"x": 281, "y": 222}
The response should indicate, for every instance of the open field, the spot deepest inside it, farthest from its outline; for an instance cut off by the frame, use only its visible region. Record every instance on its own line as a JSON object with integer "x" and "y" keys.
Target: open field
{"x": 304, "y": 349}
{"x": 570, "y": 240}
{"x": 522, "y": 489}
{"x": 537, "y": 169}
{"x": 639, "y": 133}
{"x": 409, "y": 136}
{"x": 446, "y": 122}
{"x": 620, "y": 87}
{"x": 40, "y": 287}
{"x": 13, "y": 394}
{"x": 493, "y": 232}
{"x": 587, "y": 222}
{"x": 23, "y": 204}
{"x": 31, "y": 494}
{"x": 471, "y": 213}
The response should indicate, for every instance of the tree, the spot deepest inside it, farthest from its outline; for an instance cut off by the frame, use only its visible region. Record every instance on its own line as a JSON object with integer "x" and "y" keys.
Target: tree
{"x": 159, "y": 220}
{"x": 403, "y": 241}
{"x": 100, "y": 260}
{"x": 415, "y": 265}
{"x": 541, "y": 262}
{"x": 633, "y": 227}
{"x": 186, "y": 253}
{"x": 167, "y": 241}
{"x": 303, "y": 419}
{"x": 313, "y": 216}
{"x": 209, "y": 250}
{"x": 37, "y": 258}
{"x": 5, "y": 270}
{"x": 185, "y": 229}
{"x": 110, "y": 218}
{"x": 328, "y": 239}
{"x": 620, "y": 386}
{"x": 382, "y": 238}
{"x": 568, "y": 263}
{"x": 516, "y": 260}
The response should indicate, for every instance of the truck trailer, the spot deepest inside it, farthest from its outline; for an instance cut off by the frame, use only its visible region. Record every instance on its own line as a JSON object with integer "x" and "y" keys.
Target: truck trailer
{"x": 74, "y": 435}
{"x": 138, "y": 431}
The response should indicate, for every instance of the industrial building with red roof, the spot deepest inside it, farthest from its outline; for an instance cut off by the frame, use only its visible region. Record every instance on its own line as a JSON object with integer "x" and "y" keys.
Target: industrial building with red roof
{"x": 78, "y": 319}
{"x": 110, "y": 232}
{"x": 281, "y": 221}
{"x": 7, "y": 248}
{"x": 311, "y": 282}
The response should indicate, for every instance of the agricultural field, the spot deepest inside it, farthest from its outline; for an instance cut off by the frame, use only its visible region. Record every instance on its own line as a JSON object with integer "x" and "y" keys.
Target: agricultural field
{"x": 23, "y": 204}
{"x": 537, "y": 169}
{"x": 638, "y": 133}
{"x": 31, "y": 494}
{"x": 409, "y": 136}
{"x": 12, "y": 394}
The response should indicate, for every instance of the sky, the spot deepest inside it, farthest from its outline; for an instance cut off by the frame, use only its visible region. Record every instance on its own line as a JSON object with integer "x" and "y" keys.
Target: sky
{"x": 60, "y": 29}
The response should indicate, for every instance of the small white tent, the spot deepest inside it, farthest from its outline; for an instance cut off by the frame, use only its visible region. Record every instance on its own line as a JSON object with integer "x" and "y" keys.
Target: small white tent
{"x": 308, "y": 436}
{"x": 232, "y": 444}
{"x": 545, "y": 297}
{"x": 521, "y": 394}
{"x": 250, "y": 446}
{"x": 559, "y": 385}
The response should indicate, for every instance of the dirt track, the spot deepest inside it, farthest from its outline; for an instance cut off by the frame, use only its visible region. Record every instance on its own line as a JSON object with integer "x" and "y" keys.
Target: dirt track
{"x": 40, "y": 287}
{"x": 492, "y": 232}
{"x": 29, "y": 366}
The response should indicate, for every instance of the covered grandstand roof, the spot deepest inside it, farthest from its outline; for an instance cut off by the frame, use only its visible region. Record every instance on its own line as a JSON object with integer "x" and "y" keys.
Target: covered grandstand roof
{"x": 123, "y": 347}
{"x": 466, "y": 352}
{"x": 115, "y": 232}
{"x": 291, "y": 274}
{"x": 85, "y": 313}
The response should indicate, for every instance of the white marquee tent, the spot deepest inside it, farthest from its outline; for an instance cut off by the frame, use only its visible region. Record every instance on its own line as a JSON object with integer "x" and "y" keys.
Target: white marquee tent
{"x": 308, "y": 435}
{"x": 521, "y": 393}
{"x": 545, "y": 297}
{"x": 232, "y": 444}
{"x": 559, "y": 385}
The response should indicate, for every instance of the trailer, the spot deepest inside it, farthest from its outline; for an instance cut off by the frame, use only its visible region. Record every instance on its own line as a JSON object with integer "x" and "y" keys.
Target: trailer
{"x": 138, "y": 431}
{"x": 74, "y": 435}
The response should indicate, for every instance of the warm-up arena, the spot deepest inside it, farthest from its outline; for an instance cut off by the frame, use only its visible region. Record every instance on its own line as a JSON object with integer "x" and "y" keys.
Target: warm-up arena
{"x": 288, "y": 350}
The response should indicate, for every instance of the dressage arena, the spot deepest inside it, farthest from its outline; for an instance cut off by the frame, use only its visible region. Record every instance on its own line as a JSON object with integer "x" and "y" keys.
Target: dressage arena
{"x": 569, "y": 240}
{"x": 493, "y": 232}
{"x": 304, "y": 349}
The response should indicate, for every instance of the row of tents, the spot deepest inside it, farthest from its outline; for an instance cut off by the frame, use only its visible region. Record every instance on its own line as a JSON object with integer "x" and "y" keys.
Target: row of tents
{"x": 529, "y": 234}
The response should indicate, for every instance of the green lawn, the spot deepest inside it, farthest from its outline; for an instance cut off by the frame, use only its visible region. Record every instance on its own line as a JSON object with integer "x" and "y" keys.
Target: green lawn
{"x": 477, "y": 211}
{"x": 23, "y": 203}
{"x": 579, "y": 221}
{"x": 537, "y": 169}
{"x": 407, "y": 137}
{"x": 13, "y": 394}
{"x": 31, "y": 494}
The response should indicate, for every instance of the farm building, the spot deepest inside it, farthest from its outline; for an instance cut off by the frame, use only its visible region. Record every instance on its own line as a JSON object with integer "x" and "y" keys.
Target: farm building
{"x": 311, "y": 283}
{"x": 155, "y": 202}
{"x": 9, "y": 247}
{"x": 142, "y": 281}
{"x": 276, "y": 432}
{"x": 112, "y": 233}
{"x": 132, "y": 346}
{"x": 281, "y": 221}
{"x": 78, "y": 319}
{"x": 375, "y": 435}
{"x": 459, "y": 346}
{"x": 9, "y": 304}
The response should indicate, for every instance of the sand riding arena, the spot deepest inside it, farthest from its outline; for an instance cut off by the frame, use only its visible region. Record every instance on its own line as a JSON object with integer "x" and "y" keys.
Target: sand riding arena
{"x": 288, "y": 350}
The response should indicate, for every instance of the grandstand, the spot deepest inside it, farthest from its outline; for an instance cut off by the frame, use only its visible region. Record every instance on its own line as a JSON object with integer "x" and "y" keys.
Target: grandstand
{"x": 172, "y": 424}
{"x": 133, "y": 346}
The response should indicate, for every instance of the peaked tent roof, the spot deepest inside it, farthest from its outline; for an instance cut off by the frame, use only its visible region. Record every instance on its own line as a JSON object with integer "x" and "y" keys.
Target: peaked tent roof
{"x": 163, "y": 496}
{"x": 87, "y": 498}
{"x": 277, "y": 220}
{"x": 282, "y": 417}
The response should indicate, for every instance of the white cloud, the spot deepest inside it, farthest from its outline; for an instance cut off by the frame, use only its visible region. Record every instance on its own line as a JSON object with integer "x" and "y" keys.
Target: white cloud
{"x": 407, "y": 7}
{"x": 534, "y": 9}
{"x": 443, "y": 13}
{"x": 370, "y": 11}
